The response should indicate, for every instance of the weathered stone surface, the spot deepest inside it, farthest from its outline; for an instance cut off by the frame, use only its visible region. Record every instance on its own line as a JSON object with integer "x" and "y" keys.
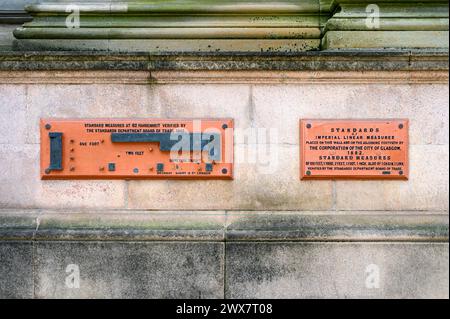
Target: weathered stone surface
{"x": 122, "y": 101}
{"x": 332, "y": 226}
{"x": 256, "y": 186}
{"x": 268, "y": 107}
{"x": 426, "y": 189}
{"x": 384, "y": 39}
{"x": 117, "y": 257}
{"x": 223, "y": 25}
{"x": 387, "y": 24}
{"x": 20, "y": 185}
{"x": 130, "y": 270}
{"x": 12, "y": 115}
{"x": 257, "y": 77}
{"x": 6, "y": 36}
{"x": 85, "y": 101}
{"x": 425, "y": 106}
{"x": 16, "y": 270}
{"x": 331, "y": 60}
{"x": 18, "y": 224}
{"x": 169, "y": 45}
{"x": 203, "y": 101}
{"x": 125, "y": 225}
{"x": 336, "y": 270}
{"x": 128, "y": 246}
{"x": 132, "y": 225}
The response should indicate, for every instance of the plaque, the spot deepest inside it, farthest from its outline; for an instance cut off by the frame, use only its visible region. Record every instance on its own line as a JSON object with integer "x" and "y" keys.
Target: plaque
{"x": 358, "y": 149}
{"x": 136, "y": 149}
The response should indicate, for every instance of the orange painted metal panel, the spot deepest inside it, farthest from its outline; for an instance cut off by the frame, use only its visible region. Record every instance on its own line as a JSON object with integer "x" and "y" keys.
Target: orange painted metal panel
{"x": 354, "y": 149}
{"x": 136, "y": 149}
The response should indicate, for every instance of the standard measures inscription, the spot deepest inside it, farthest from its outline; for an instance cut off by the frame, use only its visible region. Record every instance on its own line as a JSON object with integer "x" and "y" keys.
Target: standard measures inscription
{"x": 364, "y": 149}
{"x": 136, "y": 149}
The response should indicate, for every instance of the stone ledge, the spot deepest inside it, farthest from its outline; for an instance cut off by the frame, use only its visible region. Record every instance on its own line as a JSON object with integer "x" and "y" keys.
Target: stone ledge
{"x": 14, "y": 17}
{"x": 223, "y": 77}
{"x": 224, "y": 226}
{"x": 333, "y": 60}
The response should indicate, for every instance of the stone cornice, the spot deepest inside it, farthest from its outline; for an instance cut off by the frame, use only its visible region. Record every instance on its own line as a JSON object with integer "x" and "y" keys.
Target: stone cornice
{"x": 348, "y": 60}
{"x": 223, "y": 77}
{"x": 236, "y": 26}
{"x": 14, "y": 17}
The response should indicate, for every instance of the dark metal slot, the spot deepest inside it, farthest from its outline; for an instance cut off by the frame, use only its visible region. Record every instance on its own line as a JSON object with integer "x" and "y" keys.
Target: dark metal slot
{"x": 55, "y": 151}
{"x": 198, "y": 141}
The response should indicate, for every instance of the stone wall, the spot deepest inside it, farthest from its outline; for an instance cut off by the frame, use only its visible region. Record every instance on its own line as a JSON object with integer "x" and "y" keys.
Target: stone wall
{"x": 266, "y": 234}
{"x": 260, "y": 186}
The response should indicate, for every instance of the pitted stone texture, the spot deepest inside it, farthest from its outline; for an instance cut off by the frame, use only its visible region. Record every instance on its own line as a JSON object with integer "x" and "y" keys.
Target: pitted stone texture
{"x": 16, "y": 270}
{"x": 129, "y": 225}
{"x": 204, "y": 101}
{"x": 12, "y": 115}
{"x": 21, "y": 186}
{"x": 256, "y": 186}
{"x": 426, "y": 189}
{"x": 426, "y": 106}
{"x": 131, "y": 270}
{"x": 86, "y": 101}
{"x": 337, "y": 270}
{"x": 337, "y": 226}
{"x": 130, "y": 101}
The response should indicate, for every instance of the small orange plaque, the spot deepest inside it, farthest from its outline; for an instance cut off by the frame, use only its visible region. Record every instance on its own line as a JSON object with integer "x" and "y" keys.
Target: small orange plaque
{"x": 136, "y": 149}
{"x": 361, "y": 149}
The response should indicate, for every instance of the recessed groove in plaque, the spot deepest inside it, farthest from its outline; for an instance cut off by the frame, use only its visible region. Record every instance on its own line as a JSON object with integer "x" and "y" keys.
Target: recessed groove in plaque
{"x": 136, "y": 149}
{"x": 354, "y": 149}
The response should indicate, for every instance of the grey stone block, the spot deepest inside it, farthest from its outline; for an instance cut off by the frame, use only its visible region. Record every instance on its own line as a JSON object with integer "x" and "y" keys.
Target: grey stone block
{"x": 6, "y": 34}
{"x": 337, "y": 270}
{"x": 21, "y": 185}
{"x": 85, "y": 101}
{"x": 130, "y": 270}
{"x": 253, "y": 188}
{"x": 426, "y": 189}
{"x": 387, "y": 39}
{"x": 424, "y": 105}
{"x": 12, "y": 116}
{"x": 16, "y": 270}
{"x": 18, "y": 225}
{"x": 326, "y": 226}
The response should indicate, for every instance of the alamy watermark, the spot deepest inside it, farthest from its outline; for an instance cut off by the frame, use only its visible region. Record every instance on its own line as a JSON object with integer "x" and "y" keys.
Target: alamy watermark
{"x": 73, "y": 19}
{"x": 373, "y": 16}
{"x": 373, "y": 276}
{"x": 254, "y": 146}
{"x": 73, "y": 276}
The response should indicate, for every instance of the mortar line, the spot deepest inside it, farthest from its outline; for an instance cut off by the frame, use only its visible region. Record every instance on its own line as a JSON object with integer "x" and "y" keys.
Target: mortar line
{"x": 224, "y": 266}
{"x": 251, "y": 107}
{"x": 126, "y": 194}
{"x": 33, "y": 254}
{"x": 334, "y": 196}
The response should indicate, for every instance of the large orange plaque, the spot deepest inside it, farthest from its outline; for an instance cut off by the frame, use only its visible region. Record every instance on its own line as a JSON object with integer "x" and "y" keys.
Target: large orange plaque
{"x": 136, "y": 149}
{"x": 362, "y": 149}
